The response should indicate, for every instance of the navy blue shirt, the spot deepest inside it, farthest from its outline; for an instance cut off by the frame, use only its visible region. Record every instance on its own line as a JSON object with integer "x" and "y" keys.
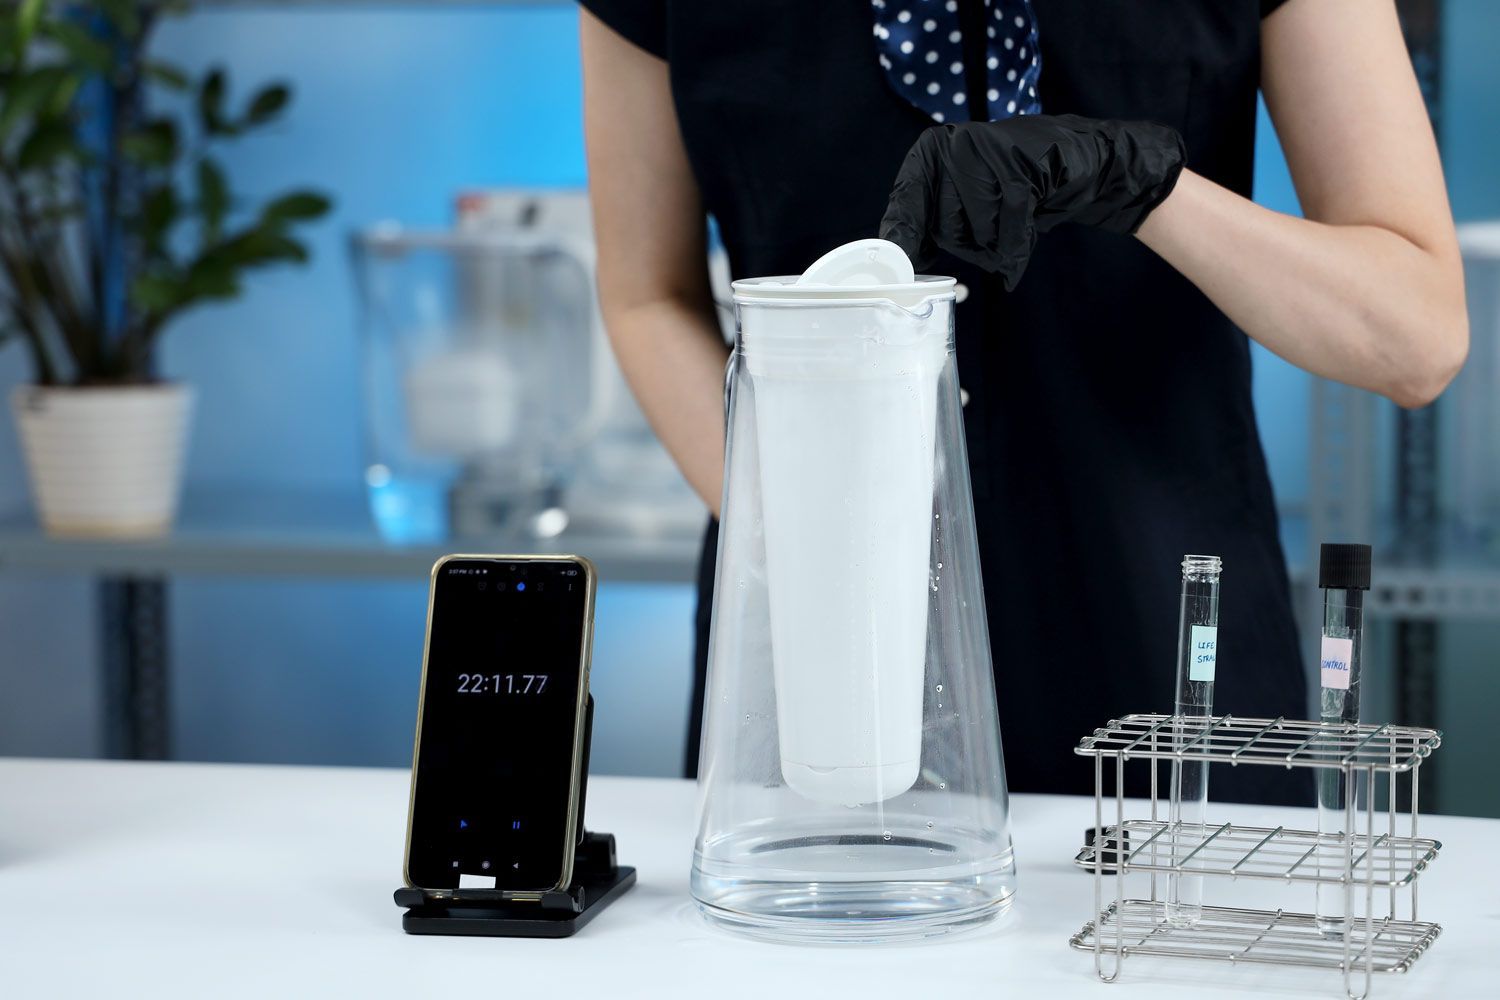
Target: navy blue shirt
{"x": 1110, "y": 426}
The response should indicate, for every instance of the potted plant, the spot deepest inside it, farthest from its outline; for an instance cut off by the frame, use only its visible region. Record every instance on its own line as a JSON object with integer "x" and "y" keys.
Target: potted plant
{"x": 115, "y": 218}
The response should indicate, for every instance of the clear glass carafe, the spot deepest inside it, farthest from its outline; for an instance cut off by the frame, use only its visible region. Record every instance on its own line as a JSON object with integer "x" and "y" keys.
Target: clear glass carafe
{"x": 851, "y": 785}
{"x": 479, "y": 379}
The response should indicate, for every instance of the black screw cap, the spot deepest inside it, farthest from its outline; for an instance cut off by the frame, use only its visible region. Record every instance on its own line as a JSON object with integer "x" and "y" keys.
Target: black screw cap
{"x": 1344, "y": 567}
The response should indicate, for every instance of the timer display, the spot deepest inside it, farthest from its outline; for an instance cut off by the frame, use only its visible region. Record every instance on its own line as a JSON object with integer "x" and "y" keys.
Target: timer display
{"x": 522, "y": 684}
{"x": 499, "y": 727}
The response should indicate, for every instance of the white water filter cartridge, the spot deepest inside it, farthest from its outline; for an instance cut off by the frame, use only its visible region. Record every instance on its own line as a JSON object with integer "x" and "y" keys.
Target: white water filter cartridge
{"x": 845, "y": 404}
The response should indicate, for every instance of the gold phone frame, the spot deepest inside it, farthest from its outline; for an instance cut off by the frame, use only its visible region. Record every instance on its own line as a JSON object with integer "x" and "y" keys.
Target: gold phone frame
{"x": 585, "y": 656}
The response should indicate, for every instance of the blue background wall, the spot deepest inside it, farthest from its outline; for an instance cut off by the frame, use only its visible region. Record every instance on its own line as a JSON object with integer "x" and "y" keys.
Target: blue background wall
{"x": 395, "y": 111}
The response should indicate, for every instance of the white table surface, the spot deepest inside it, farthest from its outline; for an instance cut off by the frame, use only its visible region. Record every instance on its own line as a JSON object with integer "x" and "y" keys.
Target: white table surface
{"x": 192, "y": 880}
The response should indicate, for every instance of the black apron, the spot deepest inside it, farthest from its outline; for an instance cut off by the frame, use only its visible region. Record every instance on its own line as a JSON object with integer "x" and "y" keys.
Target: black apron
{"x": 1110, "y": 426}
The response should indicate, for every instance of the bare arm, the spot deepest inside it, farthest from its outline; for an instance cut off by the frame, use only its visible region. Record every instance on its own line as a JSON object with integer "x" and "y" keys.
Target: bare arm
{"x": 1368, "y": 288}
{"x": 653, "y": 278}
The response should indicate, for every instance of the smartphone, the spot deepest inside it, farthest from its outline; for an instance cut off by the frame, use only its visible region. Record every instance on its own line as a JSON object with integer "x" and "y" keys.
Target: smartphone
{"x": 500, "y": 752}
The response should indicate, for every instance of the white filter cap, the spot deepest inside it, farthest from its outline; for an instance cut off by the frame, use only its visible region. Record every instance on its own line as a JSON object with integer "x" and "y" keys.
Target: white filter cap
{"x": 861, "y": 264}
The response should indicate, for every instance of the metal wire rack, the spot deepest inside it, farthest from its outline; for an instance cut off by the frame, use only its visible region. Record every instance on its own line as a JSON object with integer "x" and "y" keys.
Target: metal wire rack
{"x": 1284, "y": 742}
{"x": 1258, "y": 852}
{"x": 1373, "y": 757}
{"x": 1272, "y": 937}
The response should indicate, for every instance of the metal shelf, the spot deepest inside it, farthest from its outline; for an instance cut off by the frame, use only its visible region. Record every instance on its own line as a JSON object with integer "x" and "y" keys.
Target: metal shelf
{"x": 1460, "y": 580}
{"x": 1436, "y": 594}
{"x": 330, "y": 535}
{"x": 1257, "y": 936}
{"x": 1261, "y": 852}
{"x": 1282, "y": 742}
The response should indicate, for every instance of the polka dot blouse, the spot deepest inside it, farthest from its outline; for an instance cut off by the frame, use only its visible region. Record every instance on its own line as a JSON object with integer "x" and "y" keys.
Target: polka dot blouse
{"x": 920, "y": 46}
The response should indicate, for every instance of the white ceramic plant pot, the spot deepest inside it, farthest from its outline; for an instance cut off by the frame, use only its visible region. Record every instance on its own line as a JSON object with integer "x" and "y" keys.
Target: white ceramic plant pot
{"x": 104, "y": 462}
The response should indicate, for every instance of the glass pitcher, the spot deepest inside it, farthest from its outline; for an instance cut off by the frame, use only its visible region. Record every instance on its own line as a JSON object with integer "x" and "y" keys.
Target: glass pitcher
{"x": 851, "y": 781}
{"x": 479, "y": 378}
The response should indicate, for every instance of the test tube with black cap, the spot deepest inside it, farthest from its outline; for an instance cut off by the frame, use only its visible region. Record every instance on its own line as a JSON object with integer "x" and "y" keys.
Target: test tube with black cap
{"x": 1344, "y": 576}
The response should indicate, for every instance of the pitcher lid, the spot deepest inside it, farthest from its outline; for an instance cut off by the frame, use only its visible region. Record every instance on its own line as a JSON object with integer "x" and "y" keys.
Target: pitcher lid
{"x": 784, "y": 288}
{"x": 864, "y": 269}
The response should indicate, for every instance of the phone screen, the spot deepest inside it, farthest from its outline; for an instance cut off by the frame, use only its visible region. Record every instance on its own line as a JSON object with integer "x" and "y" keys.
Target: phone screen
{"x": 499, "y": 725}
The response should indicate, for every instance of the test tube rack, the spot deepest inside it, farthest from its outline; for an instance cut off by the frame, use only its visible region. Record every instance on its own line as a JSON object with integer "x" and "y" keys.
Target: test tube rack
{"x": 1359, "y": 861}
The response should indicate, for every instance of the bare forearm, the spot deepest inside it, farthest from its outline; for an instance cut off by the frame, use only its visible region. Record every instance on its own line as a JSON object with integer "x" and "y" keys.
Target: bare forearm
{"x": 1357, "y": 303}
{"x": 673, "y": 356}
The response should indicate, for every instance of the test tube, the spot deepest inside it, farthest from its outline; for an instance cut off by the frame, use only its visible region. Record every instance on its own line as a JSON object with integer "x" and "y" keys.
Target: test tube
{"x": 1344, "y": 576}
{"x": 1197, "y": 657}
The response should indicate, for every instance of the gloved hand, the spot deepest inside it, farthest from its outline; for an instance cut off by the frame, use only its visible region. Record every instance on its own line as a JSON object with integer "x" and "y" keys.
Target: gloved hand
{"x": 983, "y": 191}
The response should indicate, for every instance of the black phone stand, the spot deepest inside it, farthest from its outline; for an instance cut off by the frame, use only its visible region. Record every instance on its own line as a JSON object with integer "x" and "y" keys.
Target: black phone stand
{"x": 598, "y": 880}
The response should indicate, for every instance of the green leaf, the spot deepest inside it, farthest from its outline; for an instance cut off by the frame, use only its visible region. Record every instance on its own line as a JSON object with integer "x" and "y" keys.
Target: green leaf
{"x": 168, "y": 76}
{"x": 122, "y": 16}
{"x": 267, "y": 104}
{"x": 28, "y": 15}
{"x": 275, "y": 249}
{"x": 213, "y": 198}
{"x": 8, "y": 47}
{"x": 47, "y": 144}
{"x": 211, "y": 277}
{"x": 155, "y": 293}
{"x": 261, "y": 246}
{"x": 299, "y": 205}
{"x": 62, "y": 96}
{"x": 87, "y": 52}
{"x": 211, "y": 103}
{"x": 29, "y": 94}
{"x": 160, "y": 209}
{"x": 153, "y": 144}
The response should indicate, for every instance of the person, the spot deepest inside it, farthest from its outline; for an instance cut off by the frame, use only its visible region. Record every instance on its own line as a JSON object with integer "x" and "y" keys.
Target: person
{"x": 1102, "y": 348}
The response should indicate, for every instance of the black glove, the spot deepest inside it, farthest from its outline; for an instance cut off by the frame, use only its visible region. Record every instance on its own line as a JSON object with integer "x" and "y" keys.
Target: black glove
{"x": 983, "y": 190}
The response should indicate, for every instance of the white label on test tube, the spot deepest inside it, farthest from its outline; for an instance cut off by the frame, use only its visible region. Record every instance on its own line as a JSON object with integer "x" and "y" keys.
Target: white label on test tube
{"x": 1204, "y": 654}
{"x": 1336, "y": 656}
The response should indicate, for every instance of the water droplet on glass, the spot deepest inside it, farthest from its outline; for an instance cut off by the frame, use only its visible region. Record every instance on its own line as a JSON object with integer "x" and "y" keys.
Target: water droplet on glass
{"x": 886, "y": 835}
{"x": 942, "y": 784}
{"x": 929, "y": 824}
{"x": 932, "y": 850}
{"x": 940, "y": 565}
{"x": 940, "y": 689}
